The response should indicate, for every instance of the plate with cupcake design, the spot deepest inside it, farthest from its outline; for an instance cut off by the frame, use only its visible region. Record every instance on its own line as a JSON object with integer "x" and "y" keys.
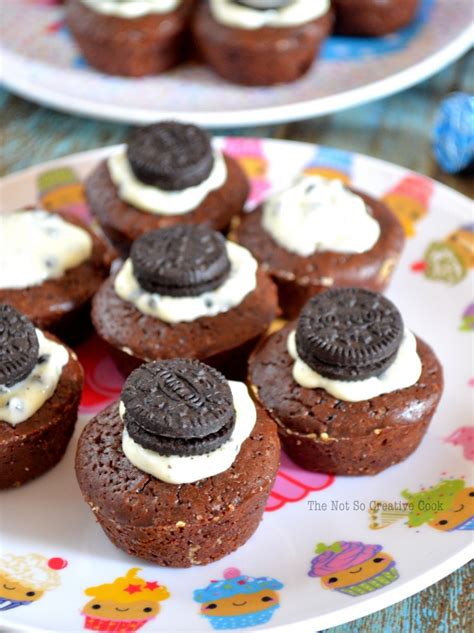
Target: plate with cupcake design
{"x": 169, "y": 506}
{"x": 281, "y": 61}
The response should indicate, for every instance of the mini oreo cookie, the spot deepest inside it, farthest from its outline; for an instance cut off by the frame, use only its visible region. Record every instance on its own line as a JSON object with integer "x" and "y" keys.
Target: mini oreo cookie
{"x": 178, "y": 407}
{"x": 349, "y": 333}
{"x": 180, "y": 261}
{"x": 169, "y": 155}
{"x": 19, "y": 347}
{"x": 264, "y": 5}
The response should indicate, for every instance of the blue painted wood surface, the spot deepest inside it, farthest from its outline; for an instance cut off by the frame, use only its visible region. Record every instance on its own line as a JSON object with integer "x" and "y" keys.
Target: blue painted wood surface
{"x": 396, "y": 129}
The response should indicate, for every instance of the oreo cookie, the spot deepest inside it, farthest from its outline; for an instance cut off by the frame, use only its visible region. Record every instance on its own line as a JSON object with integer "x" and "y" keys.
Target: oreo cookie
{"x": 264, "y": 5}
{"x": 349, "y": 333}
{"x": 180, "y": 261}
{"x": 169, "y": 155}
{"x": 19, "y": 347}
{"x": 178, "y": 407}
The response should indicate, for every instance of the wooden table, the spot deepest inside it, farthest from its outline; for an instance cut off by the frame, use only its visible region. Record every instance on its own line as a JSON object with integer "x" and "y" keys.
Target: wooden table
{"x": 396, "y": 129}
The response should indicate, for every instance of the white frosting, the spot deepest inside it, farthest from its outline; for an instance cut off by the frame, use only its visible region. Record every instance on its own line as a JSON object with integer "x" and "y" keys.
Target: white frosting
{"x": 402, "y": 373}
{"x": 37, "y": 245}
{"x": 320, "y": 214}
{"x": 158, "y": 201}
{"x": 297, "y": 12}
{"x": 132, "y": 8}
{"x": 241, "y": 281}
{"x": 20, "y": 401}
{"x": 173, "y": 469}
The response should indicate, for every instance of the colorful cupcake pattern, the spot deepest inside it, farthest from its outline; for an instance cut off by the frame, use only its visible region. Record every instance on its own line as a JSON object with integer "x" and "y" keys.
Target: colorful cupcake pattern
{"x": 126, "y": 604}
{"x": 331, "y": 163}
{"x": 60, "y": 189}
{"x": 410, "y": 200}
{"x": 249, "y": 152}
{"x": 467, "y": 323}
{"x": 24, "y": 579}
{"x": 449, "y": 260}
{"x": 464, "y": 436}
{"x": 102, "y": 380}
{"x": 352, "y": 567}
{"x": 239, "y": 601}
{"x": 294, "y": 484}
{"x": 448, "y": 507}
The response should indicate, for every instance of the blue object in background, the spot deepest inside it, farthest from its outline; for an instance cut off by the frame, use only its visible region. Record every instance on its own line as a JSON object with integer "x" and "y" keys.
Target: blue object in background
{"x": 453, "y": 134}
{"x": 342, "y": 48}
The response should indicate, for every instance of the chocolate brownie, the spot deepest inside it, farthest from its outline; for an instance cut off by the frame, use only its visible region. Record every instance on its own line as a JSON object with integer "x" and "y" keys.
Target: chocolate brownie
{"x": 262, "y": 56}
{"x": 133, "y": 47}
{"x": 223, "y": 341}
{"x": 168, "y": 524}
{"x": 372, "y": 17}
{"x": 298, "y": 278}
{"x": 123, "y": 223}
{"x": 34, "y": 446}
{"x": 62, "y": 305}
{"x": 325, "y": 434}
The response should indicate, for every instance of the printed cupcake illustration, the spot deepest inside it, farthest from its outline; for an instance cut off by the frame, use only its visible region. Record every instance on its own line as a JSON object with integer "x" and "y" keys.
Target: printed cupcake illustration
{"x": 331, "y": 163}
{"x": 250, "y": 154}
{"x": 126, "y": 604}
{"x": 464, "y": 436}
{"x": 352, "y": 567}
{"x": 449, "y": 260}
{"x": 25, "y": 579}
{"x": 294, "y": 484}
{"x": 467, "y": 324}
{"x": 60, "y": 189}
{"x": 239, "y": 601}
{"x": 410, "y": 200}
{"x": 102, "y": 380}
{"x": 448, "y": 506}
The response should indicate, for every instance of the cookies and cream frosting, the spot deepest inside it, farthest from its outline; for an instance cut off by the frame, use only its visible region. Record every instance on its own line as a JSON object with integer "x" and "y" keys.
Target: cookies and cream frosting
{"x": 160, "y": 201}
{"x": 319, "y": 214}
{"x": 292, "y": 13}
{"x": 132, "y": 8}
{"x": 241, "y": 280}
{"x": 37, "y": 245}
{"x": 21, "y": 400}
{"x": 404, "y": 372}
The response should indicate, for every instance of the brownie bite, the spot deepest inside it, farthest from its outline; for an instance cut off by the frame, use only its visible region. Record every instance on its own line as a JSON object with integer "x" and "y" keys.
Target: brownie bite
{"x": 51, "y": 264}
{"x": 373, "y": 18}
{"x": 178, "y": 473}
{"x": 318, "y": 234}
{"x": 130, "y": 38}
{"x": 40, "y": 388}
{"x": 261, "y": 42}
{"x": 185, "y": 292}
{"x": 168, "y": 174}
{"x": 351, "y": 388}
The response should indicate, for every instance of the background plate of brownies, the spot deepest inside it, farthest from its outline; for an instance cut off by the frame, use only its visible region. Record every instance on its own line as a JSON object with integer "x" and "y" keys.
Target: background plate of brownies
{"x": 235, "y": 386}
{"x": 224, "y": 62}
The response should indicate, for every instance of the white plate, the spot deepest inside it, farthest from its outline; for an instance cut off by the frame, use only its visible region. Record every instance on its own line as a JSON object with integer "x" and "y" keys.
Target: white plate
{"x": 41, "y": 62}
{"x": 48, "y": 517}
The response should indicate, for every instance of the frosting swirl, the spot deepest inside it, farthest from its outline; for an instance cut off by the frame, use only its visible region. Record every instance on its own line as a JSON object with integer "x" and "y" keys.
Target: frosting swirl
{"x": 233, "y": 14}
